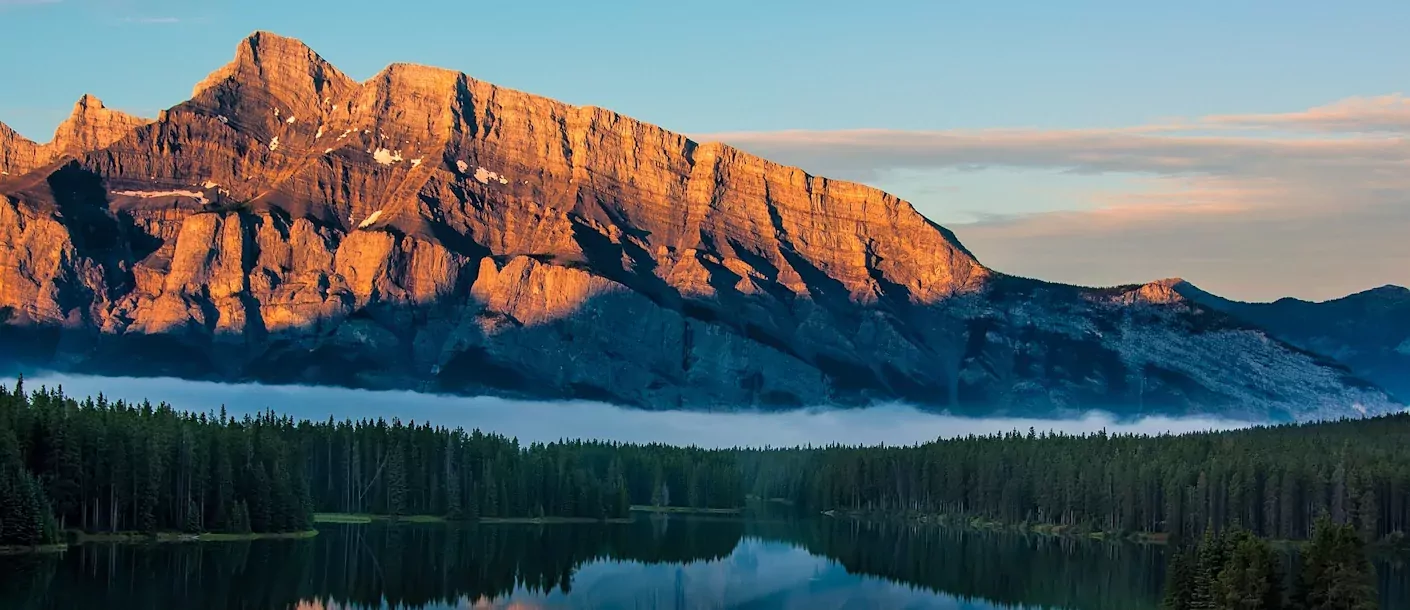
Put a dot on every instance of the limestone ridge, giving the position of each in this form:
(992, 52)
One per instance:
(90, 126)
(425, 230)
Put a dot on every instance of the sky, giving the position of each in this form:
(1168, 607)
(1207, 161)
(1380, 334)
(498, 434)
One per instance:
(1255, 148)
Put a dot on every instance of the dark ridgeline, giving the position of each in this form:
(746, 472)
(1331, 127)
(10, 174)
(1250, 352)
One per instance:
(114, 466)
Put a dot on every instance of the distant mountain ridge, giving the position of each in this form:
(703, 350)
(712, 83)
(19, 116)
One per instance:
(1368, 331)
(425, 230)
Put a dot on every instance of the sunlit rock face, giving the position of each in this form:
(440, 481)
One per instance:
(90, 126)
(425, 230)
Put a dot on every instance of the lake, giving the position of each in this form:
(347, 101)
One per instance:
(654, 562)
(659, 562)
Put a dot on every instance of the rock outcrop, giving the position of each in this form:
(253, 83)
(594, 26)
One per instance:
(91, 126)
(425, 230)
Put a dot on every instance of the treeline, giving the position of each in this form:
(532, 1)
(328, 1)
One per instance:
(114, 466)
(398, 469)
(1272, 481)
(101, 466)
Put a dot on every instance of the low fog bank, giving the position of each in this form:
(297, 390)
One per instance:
(551, 421)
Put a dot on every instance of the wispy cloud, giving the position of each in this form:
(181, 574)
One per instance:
(866, 152)
(1323, 190)
(1380, 114)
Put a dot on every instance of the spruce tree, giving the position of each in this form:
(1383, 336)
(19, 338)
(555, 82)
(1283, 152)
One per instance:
(1179, 582)
(1336, 574)
(1250, 579)
(1209, 562)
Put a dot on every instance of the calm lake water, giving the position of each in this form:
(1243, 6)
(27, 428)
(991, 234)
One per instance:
(651, 563)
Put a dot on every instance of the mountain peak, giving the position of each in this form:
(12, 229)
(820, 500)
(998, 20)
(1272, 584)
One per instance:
(17, 153)
(269, 57)
(91, 126)
(1390, 290)
(88, 100)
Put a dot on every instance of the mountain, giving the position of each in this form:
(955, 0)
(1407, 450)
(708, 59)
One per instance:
(1368, 331)
(91, 126)
(425, 230)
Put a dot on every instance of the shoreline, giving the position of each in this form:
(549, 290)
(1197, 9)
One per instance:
(685, 510)
(1072, 532)
(9, 551)
(366, 518)
(169, 537)
(77, 538)
(986, 525)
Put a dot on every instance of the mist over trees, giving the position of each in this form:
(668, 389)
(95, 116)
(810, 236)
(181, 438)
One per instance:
(97, 465)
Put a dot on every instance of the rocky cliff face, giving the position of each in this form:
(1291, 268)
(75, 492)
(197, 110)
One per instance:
(1368, 331)
(91, 126)
(426, 230)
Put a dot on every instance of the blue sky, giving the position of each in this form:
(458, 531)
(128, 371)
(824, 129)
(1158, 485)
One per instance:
(1049, 69)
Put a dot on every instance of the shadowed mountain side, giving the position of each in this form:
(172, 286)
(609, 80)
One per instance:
(1368, 331)
(425, 230)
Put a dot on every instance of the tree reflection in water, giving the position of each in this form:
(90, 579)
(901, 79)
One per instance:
(445, 566)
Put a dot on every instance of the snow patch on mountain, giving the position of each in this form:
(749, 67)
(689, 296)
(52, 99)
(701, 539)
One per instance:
(197, 195)
(386, 157)
(484, 176)
(367, 222)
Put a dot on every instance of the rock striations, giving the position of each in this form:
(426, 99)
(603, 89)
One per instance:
(91, 126)
(425, 230)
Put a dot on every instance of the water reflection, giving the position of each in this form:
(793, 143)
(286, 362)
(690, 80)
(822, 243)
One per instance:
(652, 563)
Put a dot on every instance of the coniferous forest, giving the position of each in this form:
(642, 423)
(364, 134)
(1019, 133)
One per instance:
(99, 466)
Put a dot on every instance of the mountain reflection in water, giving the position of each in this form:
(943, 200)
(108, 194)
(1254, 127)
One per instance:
(651, 563)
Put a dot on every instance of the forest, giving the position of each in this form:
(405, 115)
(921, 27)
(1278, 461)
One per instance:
(112, 466)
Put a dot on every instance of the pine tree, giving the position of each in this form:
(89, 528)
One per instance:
(1180, 582)
(396, 481)
(1250, 579)
(1209, 562)
(1336, 574)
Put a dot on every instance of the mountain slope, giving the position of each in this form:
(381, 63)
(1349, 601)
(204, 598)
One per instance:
(1368, 331)
(422, 229)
